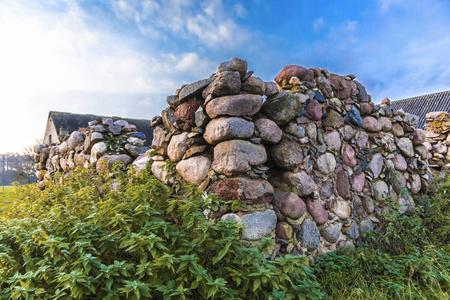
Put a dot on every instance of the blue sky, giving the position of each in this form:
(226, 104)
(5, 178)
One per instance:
(124, 57)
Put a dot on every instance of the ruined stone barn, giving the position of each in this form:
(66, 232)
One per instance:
(422, 105)
(61, 124)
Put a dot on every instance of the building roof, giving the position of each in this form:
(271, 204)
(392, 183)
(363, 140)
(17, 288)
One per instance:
(421, 105)
(73, 122)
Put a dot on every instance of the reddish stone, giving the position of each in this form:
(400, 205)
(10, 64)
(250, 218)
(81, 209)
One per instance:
(185, 113)
(398, 181)
(362, 140)
(386, 101)
(397, 130)
(342, 185)
(317, 211)
(365, 109)
(251, 191)
(314, 110)
(289, 204)
(292, 70)
(342, 87)
(334, 120)
(348, 156)
(358, 182)
(371, 124)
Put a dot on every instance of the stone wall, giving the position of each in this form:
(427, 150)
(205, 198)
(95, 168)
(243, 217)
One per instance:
(437, 131)
(103, 139)
(312, 157)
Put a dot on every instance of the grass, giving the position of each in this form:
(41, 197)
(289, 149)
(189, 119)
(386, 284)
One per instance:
(7, 194)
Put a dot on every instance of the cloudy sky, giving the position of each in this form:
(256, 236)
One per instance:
(124, 57)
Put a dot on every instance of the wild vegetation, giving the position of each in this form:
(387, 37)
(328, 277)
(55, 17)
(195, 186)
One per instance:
(125, 235)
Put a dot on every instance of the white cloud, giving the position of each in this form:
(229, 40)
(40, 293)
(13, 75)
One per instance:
(240, 10)
(319, 24)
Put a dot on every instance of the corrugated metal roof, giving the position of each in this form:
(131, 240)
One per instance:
(421, 105)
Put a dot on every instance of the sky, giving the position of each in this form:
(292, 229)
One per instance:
(123, 58)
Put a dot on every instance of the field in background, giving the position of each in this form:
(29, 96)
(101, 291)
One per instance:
(7, 194)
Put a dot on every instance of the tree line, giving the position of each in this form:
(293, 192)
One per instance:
(16, 167)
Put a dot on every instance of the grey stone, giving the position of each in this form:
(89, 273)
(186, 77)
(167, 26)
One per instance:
(194, 169)
(194, 89)
(226, 83)
(201, 119)
(331, 231)
(366, 225)
(326, 189)
(168, 118)
(158, 169)
(351, 231)
(237, 157)
(258, 224)
(63, 148)
(406, 146)
(309, 235)
(400, 163)
(269, 131)
(159, 142)
(101, 168)
(135, 150)
(380, 190)
(141, 162)
(227, 128)
(333, 141)
(326, 163)
(177, 146)
(75, 140)
(97, 151)
(235, 105)
(287, 155)
(173, 101)
(302, 181)
(353, 117)
(294, 129)
(376, 165)
(254, 85)
(283, 107)
(235, 64)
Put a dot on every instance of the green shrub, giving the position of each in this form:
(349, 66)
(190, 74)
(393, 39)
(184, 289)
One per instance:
(79, 240)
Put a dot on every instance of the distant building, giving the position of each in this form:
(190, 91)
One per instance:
(421, 105)
(60, 124)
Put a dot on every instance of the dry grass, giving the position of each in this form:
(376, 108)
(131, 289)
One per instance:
(7, 194)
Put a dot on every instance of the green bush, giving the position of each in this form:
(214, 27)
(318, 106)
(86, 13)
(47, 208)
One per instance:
(79, 239)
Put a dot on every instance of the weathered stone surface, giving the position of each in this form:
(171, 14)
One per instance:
(258, 224)
(358, 182)
(366, 225)
(269, 132)
(418, 136)
(353, 117)
(284, 231)
(63, 148)
(251, 191)
(371, 124)
(101, 168)
(422, 151)
(351, 231)
(302, 181)
(201, 119)
(362, 140)
(287, 155)
(309, 235)
(177, 146)
(290, 71)
(314, 110)
(342, 88)
(331, 231)
(227, 128)
(326, 163)
(97, 151)
(400, 163)
(365, 109)
(159, 171)
(289, 204)
(159, 142)
(362, 95)
(168, 118)
(341, 209)
(271, 88)
(380, 190)
(173, 101)
(416, 184)
(375, 166)
(406, 204)
(397, 130)
(141, 162)
(333, 120)
(294, 129)
(324, 85)
(237, 157)
(235, 65)
(347, 133)
(326, 190)
(311, 131)
(368, 204)
(397, 180)
(135, 151)
(342, 185)
(254, 85)
(283, 107)
(79, 159)
(406, 146)
(348, 156)
(333, 141)
(386, 124)
(194, 169)
(226, 83)
(194, 89)
(185, 113)
(75, 140)
(236, 105)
